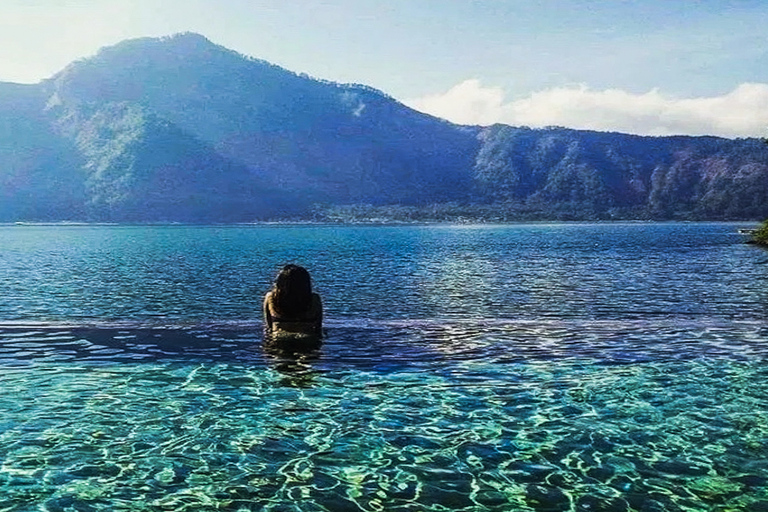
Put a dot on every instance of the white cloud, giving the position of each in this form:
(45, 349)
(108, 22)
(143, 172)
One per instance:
(742, 112)
(466, 103)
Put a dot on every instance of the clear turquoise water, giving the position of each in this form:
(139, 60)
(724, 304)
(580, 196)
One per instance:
(535, 367)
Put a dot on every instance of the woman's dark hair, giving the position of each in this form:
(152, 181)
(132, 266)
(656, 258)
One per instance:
(293, 291)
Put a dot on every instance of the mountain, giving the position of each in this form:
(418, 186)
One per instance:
(302, 140)
(181, 129)
(567, 173)
(39, 176)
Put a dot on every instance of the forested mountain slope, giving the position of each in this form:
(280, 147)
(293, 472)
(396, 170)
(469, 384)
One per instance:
(592, 174)
(180, 129)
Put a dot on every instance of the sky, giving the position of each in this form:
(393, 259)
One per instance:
(655, 67)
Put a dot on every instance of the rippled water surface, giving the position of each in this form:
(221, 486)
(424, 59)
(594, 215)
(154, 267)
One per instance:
(531, 367)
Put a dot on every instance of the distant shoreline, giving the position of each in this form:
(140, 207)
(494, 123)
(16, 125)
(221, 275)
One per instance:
(298, 223)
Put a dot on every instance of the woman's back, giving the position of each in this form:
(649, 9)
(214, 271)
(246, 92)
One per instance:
(308, 322)
(291, 309)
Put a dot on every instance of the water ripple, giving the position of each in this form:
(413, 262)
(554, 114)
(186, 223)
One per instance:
(399, 344)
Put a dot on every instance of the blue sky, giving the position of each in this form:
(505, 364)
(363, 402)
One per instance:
(639, 66)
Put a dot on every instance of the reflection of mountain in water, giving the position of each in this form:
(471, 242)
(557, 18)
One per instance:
(180, 129)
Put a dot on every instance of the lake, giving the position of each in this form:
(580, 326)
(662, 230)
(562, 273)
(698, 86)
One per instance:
(478, 368)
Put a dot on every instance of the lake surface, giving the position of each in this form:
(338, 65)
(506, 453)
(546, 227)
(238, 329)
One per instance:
(478, 368)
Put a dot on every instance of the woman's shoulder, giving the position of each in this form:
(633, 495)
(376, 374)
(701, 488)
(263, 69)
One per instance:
(269, 300)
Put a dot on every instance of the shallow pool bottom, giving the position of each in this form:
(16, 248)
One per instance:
(295, 433)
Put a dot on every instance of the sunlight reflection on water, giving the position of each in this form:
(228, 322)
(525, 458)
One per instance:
(483, 368)
(484, 415)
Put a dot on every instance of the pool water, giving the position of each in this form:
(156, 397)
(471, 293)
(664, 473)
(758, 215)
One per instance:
(532, 367)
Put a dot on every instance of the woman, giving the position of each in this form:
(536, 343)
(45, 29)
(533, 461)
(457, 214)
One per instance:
(291, 309)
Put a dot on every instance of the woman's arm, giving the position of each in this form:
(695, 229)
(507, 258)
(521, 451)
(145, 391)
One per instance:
(267, 314)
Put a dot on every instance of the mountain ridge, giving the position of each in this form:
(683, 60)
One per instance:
(180, 129)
